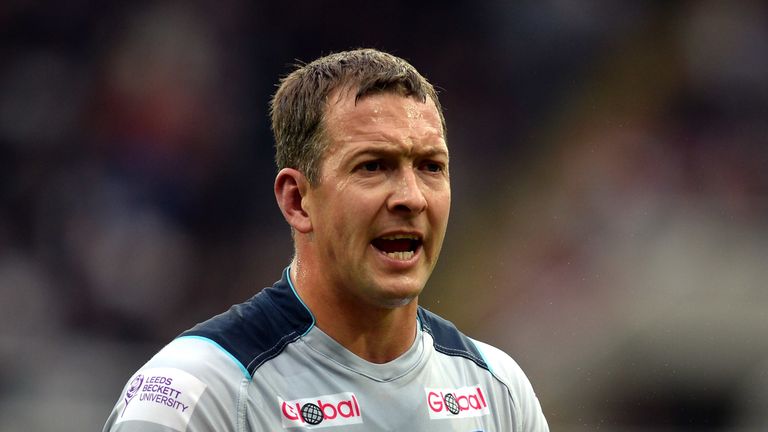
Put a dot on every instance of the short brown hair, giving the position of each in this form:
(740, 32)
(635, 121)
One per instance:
(298, 106)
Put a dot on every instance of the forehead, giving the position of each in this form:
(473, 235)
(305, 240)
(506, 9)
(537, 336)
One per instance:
(388, 115)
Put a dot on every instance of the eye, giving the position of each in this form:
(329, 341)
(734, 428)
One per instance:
(430, 166)
(371, 166)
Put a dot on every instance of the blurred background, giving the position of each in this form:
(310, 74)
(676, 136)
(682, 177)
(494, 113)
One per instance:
(609, 226)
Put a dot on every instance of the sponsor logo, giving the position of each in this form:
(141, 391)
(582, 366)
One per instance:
(133, 389)
(166, 396)
(456, 403)
(321, 411)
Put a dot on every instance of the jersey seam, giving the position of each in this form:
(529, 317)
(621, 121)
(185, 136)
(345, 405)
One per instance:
(516, 409)
(273, 351)
(461, 353)
(242, 406)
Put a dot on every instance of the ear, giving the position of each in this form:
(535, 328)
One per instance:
(291, 187)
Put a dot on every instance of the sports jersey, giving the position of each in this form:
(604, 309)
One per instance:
(265, 366)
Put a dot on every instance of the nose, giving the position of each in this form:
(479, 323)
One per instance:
(408, 195)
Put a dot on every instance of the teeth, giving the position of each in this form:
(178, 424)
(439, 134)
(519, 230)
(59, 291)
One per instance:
(401, 237)
(402, 256)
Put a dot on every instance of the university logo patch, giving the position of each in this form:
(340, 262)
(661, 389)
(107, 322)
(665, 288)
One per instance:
(165, 396)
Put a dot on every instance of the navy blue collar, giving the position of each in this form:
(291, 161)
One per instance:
(259, 329)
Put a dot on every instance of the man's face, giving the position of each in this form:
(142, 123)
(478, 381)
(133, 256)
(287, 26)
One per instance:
(380, 210)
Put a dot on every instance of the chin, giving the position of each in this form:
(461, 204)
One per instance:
(395, 297)
(398, 302)
(392, 291)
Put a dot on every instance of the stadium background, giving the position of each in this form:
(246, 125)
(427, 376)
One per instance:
(610, 183)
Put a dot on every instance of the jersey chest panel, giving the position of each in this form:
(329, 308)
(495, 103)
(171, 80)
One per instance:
(304, 390)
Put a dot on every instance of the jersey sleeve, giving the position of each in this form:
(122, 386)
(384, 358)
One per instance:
(527, 406)
(191, 385)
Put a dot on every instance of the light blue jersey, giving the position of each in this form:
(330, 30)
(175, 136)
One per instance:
(265, 366)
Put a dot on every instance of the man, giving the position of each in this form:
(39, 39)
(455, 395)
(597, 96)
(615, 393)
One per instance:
(340, 341)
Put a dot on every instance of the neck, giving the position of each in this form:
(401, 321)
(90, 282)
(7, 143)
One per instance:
(374, 333)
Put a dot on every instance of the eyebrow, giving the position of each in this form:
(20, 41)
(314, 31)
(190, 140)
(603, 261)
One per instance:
(387, 149)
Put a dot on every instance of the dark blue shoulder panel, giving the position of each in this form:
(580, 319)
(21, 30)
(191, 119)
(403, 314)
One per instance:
(448, 339)
(259, 329)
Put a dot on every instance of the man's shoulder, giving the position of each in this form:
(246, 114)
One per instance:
(501, 364)
(195, 382)
(506, 370)
(448, 339)
(196, 355)
(259, 329)
(189, 384)
(195, 359)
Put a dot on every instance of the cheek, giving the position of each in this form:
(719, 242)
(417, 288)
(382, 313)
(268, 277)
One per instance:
(441, 207)
(350, 216)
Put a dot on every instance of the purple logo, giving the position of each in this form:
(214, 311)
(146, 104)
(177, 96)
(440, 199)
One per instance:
(134, 388)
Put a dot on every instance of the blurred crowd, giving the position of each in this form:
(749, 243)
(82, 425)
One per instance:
(610, 186)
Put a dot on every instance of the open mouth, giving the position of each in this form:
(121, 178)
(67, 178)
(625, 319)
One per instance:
(399, 246)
